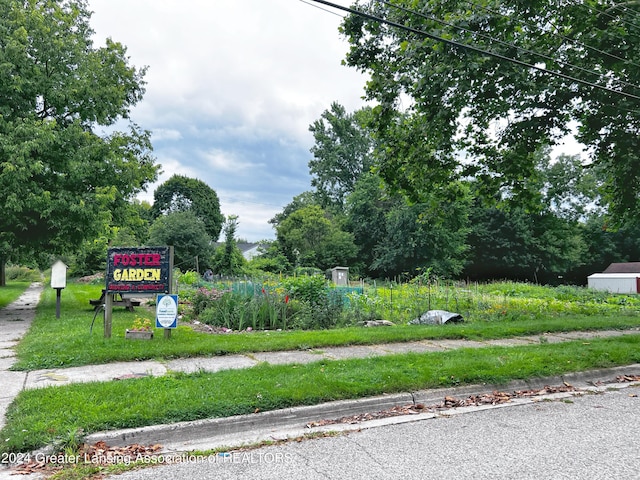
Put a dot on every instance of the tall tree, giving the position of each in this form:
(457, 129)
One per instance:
(367, 209)
(228, 259)
(474, 78)
(309, 238)
(188, 235)
(342, 153)
(181, 194)
(305, 199)
(60, 181)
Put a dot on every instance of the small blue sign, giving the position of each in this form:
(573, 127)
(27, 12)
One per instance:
(167, 311)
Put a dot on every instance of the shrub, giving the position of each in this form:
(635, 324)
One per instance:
(307, 271)
(309, 289)
(190, 277)
(205, 298)
(17, 273)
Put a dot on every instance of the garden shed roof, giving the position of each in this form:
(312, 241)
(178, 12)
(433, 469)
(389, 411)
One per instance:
(627, 267)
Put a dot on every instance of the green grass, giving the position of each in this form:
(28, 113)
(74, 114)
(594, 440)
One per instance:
(11, 291)
(172, 398)
(66, 342)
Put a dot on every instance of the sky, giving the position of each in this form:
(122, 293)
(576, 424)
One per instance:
(232, 87)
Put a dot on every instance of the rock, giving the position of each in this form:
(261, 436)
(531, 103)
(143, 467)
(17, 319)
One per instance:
(437, 317)
(378, 323)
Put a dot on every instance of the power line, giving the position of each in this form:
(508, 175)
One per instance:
(606, 13)
(495, 40)
(557, 34)
(626, 9)
(323, 9)
(476, 49)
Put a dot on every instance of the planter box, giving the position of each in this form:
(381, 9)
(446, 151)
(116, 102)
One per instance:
(138, 335)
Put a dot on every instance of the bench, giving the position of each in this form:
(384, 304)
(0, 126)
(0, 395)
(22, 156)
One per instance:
(118, 301)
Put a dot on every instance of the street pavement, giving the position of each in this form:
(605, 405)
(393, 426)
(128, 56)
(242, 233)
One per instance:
(16, 318)
(579, 437)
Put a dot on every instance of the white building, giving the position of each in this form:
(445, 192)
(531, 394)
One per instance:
(617, 278)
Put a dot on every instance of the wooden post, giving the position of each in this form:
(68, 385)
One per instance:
(108, 308)
(58, 290)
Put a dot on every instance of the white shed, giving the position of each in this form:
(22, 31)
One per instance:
(615, 282)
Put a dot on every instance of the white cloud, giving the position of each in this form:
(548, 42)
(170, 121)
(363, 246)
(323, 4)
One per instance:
(166, 134)
(232, 88)
(224, 161)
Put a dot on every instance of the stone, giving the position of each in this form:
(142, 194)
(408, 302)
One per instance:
(378, 323)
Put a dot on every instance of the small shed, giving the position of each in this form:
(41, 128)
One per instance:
(617, 278)
(340, 275)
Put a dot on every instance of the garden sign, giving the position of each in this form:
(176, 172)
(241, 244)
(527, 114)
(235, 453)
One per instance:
(140, 270)
(136, 271)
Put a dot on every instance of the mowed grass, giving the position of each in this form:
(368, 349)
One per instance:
(11, 291)
(67, 341)
(38, 417)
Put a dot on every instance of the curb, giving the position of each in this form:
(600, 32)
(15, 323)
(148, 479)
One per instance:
(291, 423)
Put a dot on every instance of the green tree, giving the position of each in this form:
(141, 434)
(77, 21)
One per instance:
(396, 237)
(498, 112)
(569, 190)
(309, 238)
(425, 235)
(366, 210)
(342, 153)
(271, 259)
(61, 182)
(187, 234)
(228, 259)
(180, 194)
(305, 199)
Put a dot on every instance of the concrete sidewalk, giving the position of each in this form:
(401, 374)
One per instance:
(16, 318)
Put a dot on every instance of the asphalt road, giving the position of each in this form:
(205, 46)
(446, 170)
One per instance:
(587, 437)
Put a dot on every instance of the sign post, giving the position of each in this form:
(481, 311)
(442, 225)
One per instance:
(58, 281)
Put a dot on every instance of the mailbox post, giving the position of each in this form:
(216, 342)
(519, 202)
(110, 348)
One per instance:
(58, 281)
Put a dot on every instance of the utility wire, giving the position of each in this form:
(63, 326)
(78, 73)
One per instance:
(605, 13)
(564, 37)
(626, 9)
(507, 44)
(476, 49)
(323, 9)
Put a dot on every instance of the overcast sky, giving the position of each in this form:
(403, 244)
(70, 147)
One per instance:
(232, 88)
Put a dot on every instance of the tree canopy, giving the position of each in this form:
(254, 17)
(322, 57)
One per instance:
(189, 237)
(181, 194)
(343, 152)
(467, 89)
(61, 181)
(309, 238)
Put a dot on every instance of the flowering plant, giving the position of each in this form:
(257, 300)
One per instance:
(141, 325)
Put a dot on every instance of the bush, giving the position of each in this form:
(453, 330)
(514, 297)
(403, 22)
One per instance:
(205, 298)
(307, 271)
(308, 289)
(16, 273)
(189, 277)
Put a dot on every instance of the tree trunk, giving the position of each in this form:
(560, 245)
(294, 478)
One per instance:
(3, 276)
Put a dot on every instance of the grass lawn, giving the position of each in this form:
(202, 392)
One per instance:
(11, 291)
(41, 416)
(66, 342)
(147, 401)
